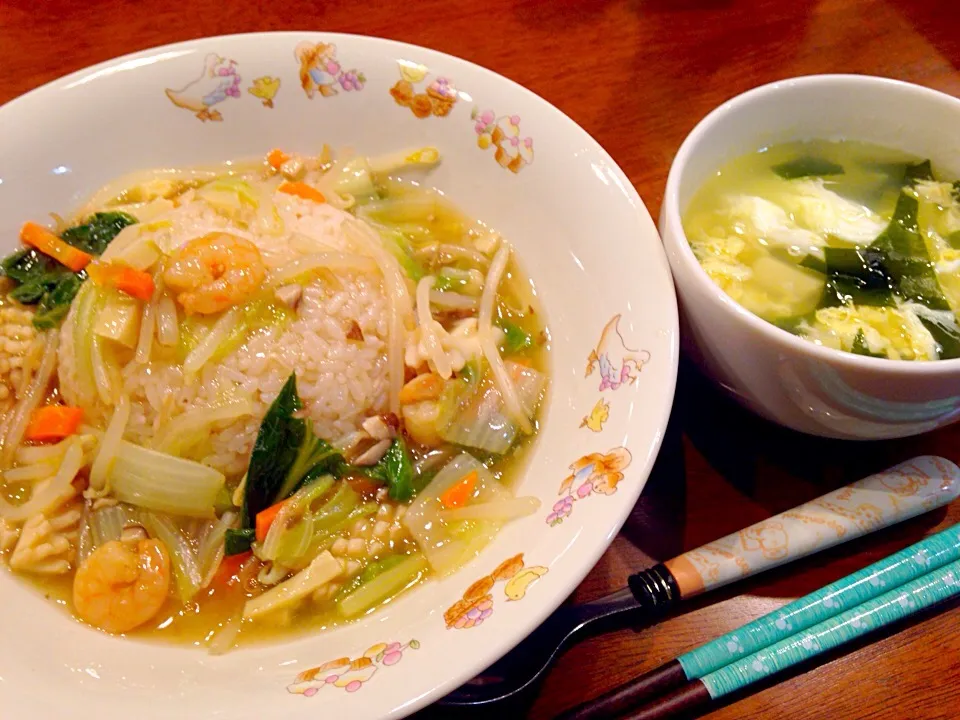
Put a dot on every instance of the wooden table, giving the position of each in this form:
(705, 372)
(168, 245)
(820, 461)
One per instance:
(638, 74)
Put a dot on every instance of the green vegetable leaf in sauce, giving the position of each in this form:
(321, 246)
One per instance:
(44, 282)
(953, 239)
(395, 470)
(285, 454)
(99, 230)
(515, 338)
(808, 166)
(860, 346)
(238, 541)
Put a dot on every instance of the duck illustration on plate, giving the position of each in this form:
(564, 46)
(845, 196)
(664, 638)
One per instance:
(218, 81)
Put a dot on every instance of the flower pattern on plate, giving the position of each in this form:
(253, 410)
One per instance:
(349, 674)
(511, 149)
(476, 605)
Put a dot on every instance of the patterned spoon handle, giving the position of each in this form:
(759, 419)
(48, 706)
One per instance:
(904, 491)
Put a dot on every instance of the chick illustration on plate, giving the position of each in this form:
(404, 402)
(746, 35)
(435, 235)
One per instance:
(265, 89)
(597, 417)
(477, 602)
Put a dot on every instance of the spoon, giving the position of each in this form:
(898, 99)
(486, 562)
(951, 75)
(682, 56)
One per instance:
(901, 492)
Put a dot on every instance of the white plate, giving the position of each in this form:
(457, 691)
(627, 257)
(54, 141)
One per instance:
(579, 228)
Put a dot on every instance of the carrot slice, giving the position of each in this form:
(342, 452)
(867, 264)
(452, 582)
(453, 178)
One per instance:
(37, 236)
(265, 519)
(276, 158)
(230, 567)
(133, 282)
(53, 422)
(458, 494)
(302, 190)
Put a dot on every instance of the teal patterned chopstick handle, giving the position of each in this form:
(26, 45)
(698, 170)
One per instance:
(925, 591)
(910, 563)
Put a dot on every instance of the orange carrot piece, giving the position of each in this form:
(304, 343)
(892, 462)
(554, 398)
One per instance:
(276, 158)
(37, 236)
(265, 519)
(53, 422)
(230, 567)
(302, 190)
(458, 494)
(133, 282)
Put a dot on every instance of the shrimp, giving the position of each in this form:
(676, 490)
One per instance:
(214, 272)
(122, 584)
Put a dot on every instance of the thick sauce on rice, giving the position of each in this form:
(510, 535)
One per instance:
(270, 396)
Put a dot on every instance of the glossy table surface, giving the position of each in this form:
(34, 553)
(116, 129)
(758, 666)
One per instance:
(638, 75)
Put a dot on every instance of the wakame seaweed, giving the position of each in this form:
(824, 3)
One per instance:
(807, 166)
(946, 336)
(857, 276)
(860, 346)
(906, 259)
(44, 282)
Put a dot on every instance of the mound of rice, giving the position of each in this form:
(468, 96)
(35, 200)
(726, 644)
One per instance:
(341, 380)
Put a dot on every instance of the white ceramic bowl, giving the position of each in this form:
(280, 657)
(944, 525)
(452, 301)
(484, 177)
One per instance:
(579, 227)
(781, 377)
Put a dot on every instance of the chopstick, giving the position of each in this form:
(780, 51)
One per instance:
(905, 566)
(890, 607)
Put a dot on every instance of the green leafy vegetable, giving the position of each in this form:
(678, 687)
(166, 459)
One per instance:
(55, 304)
(443, 283)
(238, 541)
(99, 230)
(953, 239)
(385, 584)
(808, 166)
(399, 247)
(43, 281)
(860, 346)
(395, 470)
(379, 567)
(286, 451)
(515, 338)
